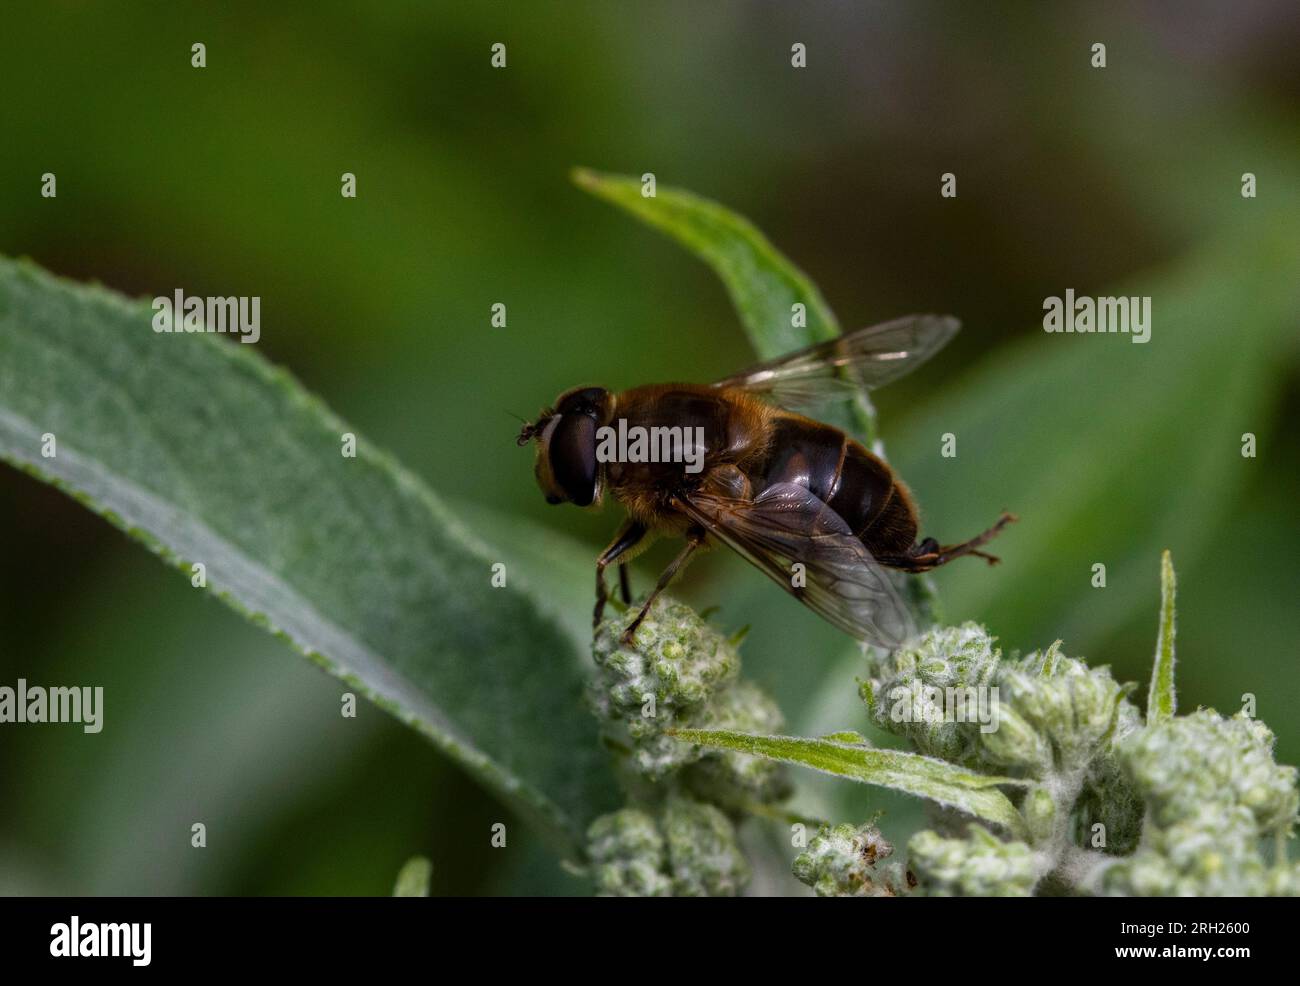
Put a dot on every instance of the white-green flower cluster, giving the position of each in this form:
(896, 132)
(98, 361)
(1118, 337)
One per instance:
(704, 858)
(979, 865)
(1115, 805)
(1212, 790)
(1109, 802)
(1047, 712)
(846, 861)
(905, 693)
(677, 837)
(627, 856)
(682, 673)
(1059, 785)
(1056, 714)
(685, 849)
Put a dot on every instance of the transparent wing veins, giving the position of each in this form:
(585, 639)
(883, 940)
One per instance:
(839, 368)
(787, 525)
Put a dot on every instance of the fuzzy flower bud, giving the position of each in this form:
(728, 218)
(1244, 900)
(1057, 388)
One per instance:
(1184, 763)
(704, 858)
(627, 854)
(1211, 790)
(1110, 806)
(841, 862)
(1016, 742)
(921, 690)
(1040, 813)
(682, 673)
(686, 849)
(1072, 707)
(977, 866)
(664, 680)
(727, 777)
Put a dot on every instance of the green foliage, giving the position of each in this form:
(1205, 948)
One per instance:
(205, 453)
(1212, 790)
(1174, 408)
(677, 835)
(942, 783)
(764, 286)
(1161, 699)
(361, 568)
(1106, 803)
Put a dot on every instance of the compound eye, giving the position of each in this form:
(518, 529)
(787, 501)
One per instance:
(584, 400)
(573, 458)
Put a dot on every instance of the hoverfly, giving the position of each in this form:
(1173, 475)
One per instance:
(802, 501)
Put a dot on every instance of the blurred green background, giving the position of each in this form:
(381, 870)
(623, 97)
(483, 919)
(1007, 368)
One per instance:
(225, 181)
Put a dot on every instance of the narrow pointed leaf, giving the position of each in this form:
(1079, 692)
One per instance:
(925, 777)
(1162, 700)
(413, 878)
(763, 284)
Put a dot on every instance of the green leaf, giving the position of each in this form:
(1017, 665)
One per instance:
(925, 777)
(1108, 451)
(201, 450)
(763, 284)
(552, 567)
(413, 878)
(1162, 699)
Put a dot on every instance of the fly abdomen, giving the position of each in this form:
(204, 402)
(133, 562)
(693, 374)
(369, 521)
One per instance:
(844, 475)
(875, 505)
(805, 453)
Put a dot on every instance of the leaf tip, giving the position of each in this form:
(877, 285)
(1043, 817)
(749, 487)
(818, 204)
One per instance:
(584, 177)
(414, 877)
(1162, 700)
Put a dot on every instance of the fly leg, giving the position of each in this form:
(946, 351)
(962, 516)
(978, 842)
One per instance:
(694, 539)
(929, 554)
(624, 585)
(627, 538)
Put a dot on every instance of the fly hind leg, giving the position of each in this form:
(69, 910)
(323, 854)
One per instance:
(929, 553)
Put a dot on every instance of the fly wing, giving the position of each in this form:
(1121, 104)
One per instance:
(788, 525)
(839, 368)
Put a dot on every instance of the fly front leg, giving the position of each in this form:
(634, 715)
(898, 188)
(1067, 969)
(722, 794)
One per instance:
(627, 538)
(694, 539)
